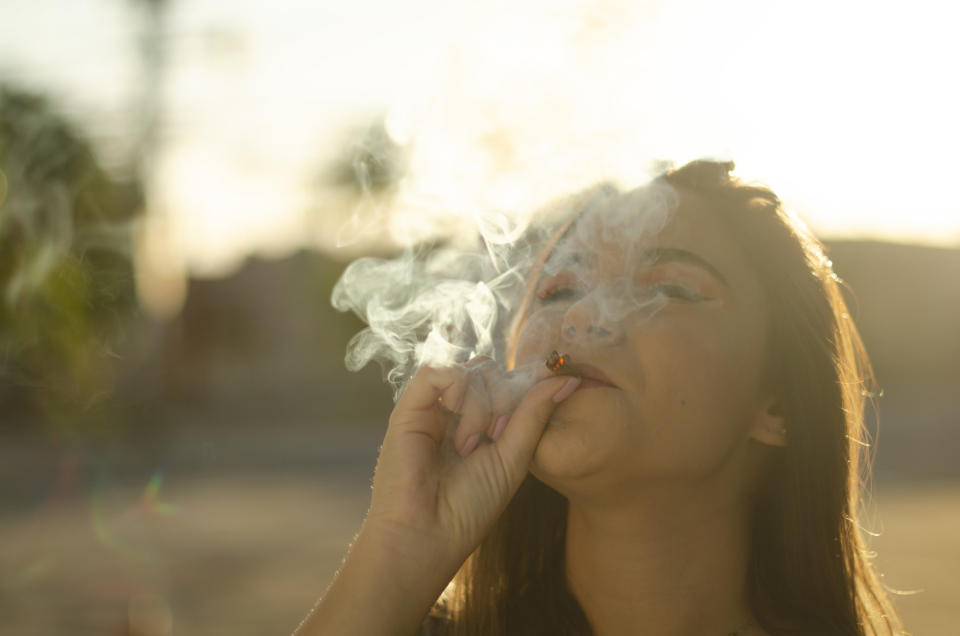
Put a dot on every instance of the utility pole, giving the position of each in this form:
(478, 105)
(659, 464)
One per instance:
(161, 284)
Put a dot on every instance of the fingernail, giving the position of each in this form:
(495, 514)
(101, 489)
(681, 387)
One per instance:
(567, 389)
(470, 444)
(499, 426)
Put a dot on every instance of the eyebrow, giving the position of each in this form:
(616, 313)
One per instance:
(658, 255)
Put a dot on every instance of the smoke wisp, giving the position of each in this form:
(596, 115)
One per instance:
(445, 305)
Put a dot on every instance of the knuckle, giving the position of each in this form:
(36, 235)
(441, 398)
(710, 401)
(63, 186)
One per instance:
(475, 379)
(397, 419)
(500, 471)
(424, 371)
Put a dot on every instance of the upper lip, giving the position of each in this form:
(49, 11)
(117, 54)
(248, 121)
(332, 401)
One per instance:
(588, 371)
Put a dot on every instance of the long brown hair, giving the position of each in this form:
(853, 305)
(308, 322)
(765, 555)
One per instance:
(808, 570)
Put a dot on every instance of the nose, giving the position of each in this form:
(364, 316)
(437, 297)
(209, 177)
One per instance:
(583, 324)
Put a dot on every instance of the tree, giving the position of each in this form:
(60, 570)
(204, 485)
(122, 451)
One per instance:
(66, 278)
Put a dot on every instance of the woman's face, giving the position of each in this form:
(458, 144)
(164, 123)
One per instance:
(675, 320)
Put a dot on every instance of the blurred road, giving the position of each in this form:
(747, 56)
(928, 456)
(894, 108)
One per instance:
(241, 548)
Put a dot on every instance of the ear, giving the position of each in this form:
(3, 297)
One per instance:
(770, 426)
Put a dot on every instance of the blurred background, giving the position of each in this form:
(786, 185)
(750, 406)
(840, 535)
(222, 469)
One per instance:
(183, 181)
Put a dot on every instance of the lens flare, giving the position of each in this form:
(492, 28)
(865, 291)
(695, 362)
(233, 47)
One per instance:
(148, 506)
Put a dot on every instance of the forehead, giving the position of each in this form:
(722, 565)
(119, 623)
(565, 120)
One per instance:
(696, 227)
(617, 236)
(654, 216)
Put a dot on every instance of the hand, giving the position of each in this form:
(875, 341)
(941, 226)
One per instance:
(458, 445)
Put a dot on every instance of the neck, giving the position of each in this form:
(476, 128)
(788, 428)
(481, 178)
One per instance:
(671, 562)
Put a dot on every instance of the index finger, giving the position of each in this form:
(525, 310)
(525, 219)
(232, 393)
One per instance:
(428, 388)
(521, 379)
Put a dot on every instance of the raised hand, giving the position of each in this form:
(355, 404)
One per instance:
(458, 445)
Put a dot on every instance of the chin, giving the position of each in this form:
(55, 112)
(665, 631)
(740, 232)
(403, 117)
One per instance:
(565, 475)
(567, 449)
(583, 435)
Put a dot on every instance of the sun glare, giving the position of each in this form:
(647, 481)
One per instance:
(845, 109)
(851, 127)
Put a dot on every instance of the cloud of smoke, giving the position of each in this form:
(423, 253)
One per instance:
(447, 304)
(432, 305)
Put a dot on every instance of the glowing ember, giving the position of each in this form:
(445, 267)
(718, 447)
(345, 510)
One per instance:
(556, 361)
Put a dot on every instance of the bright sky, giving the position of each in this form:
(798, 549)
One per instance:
(848, 109)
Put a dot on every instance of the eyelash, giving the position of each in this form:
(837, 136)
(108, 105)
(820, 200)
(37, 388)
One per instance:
(670, 290)
(554, 294)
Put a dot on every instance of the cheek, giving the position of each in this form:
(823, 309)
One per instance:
(698, 394)
(587, 434)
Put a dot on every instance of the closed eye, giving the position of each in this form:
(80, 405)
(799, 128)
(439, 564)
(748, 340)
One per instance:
(676, 292)
(554, 294)
(670, 290)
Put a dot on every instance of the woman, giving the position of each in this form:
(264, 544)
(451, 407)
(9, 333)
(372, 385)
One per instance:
(694, 471)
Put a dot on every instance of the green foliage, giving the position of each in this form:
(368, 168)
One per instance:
(66, 278)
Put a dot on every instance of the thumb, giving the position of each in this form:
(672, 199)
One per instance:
(526, 425)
